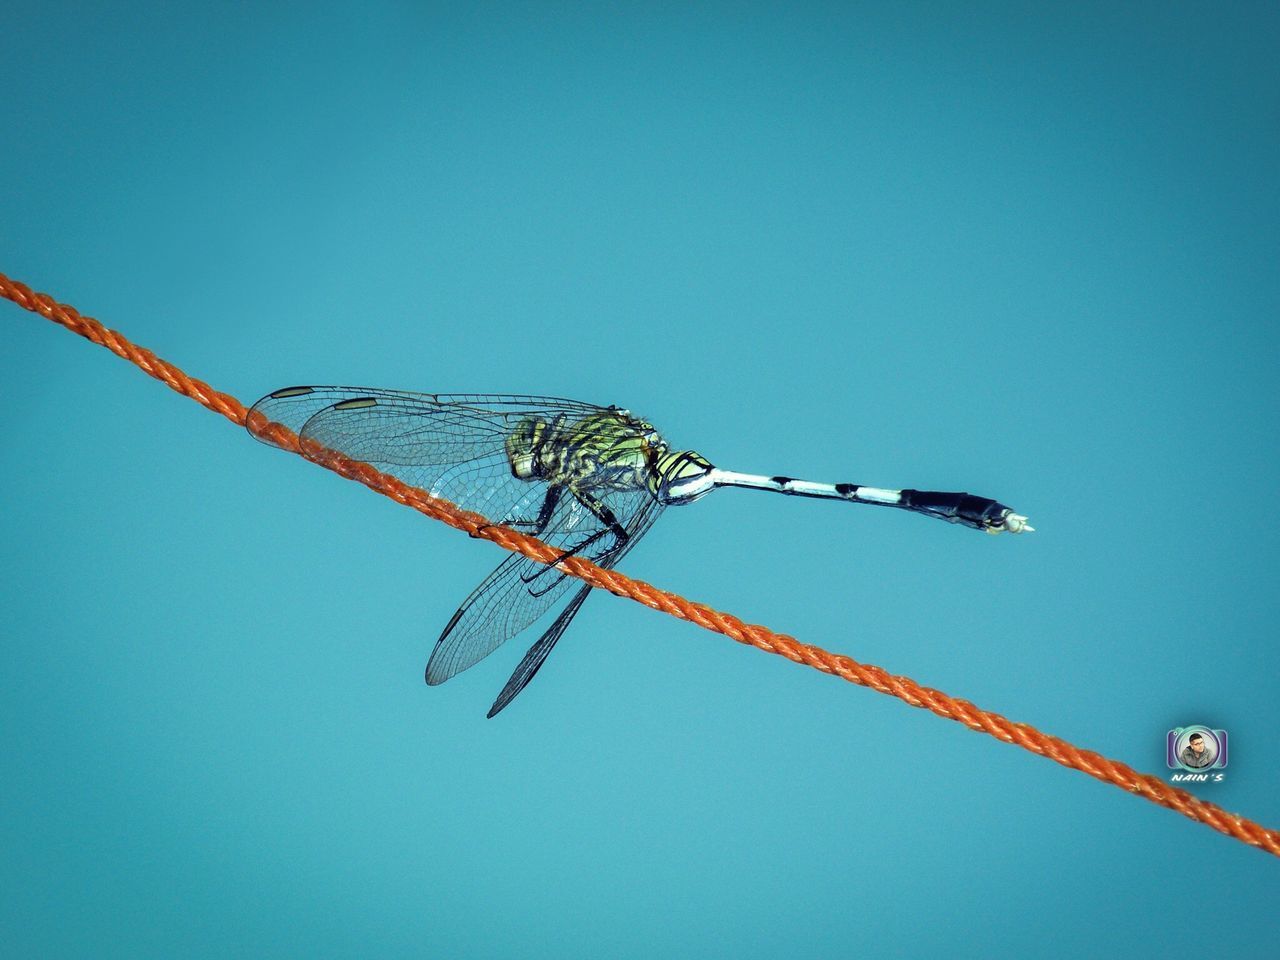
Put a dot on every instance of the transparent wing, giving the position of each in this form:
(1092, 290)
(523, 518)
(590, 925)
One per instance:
(451, 445)
(293, 406)
(537, 654)
(521, 590)
(506, 602)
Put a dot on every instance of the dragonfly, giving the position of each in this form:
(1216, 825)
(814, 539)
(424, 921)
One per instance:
(587, 480)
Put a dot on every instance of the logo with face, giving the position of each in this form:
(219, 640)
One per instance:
(1196, 749)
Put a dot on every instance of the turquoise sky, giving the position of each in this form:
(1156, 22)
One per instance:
(1026, 253)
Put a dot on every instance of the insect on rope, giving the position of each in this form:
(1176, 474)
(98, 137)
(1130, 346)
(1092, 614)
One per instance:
(973, 717)
(584, 479)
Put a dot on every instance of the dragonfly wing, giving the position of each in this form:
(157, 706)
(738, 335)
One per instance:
(293, 406)
(520, 591)
(499, 608)
(451, 445)
(537, 654)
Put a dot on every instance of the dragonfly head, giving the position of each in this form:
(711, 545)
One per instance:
(680, 476)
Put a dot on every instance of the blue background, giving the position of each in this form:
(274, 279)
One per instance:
(1024, 253)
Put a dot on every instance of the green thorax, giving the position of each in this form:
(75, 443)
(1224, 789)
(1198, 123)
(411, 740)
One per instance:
(609, 450)
(605, 451)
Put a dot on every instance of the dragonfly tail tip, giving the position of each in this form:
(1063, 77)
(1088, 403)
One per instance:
(1017, 523)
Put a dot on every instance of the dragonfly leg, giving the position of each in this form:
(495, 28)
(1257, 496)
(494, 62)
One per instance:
(572, 552)
(602, 513)
(539, 524)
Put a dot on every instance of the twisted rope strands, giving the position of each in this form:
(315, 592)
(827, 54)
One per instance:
(117, 343)
(904, 688)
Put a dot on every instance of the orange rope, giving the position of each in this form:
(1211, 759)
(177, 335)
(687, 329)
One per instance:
(904, 688)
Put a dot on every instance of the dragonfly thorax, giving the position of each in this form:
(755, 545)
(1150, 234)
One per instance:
(609, 450)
